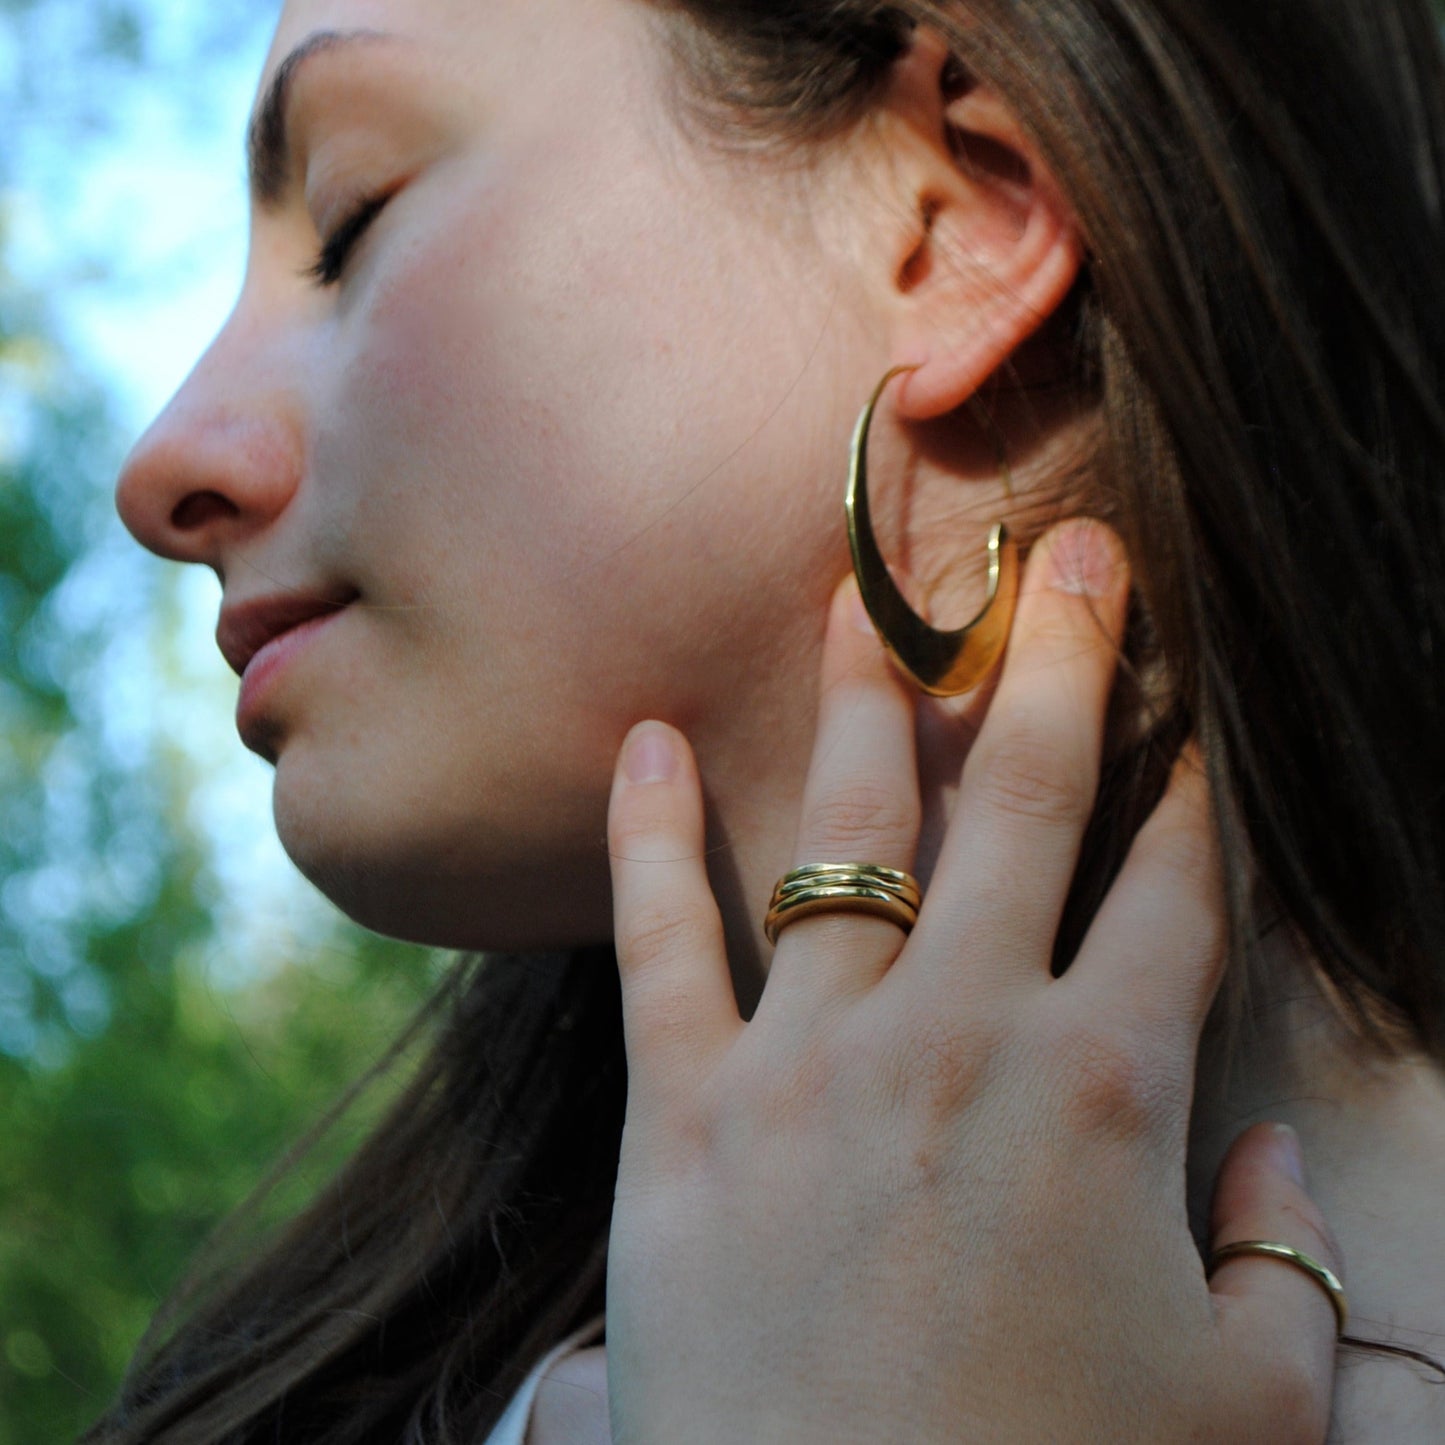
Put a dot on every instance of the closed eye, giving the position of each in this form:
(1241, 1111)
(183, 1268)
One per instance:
(330, 265)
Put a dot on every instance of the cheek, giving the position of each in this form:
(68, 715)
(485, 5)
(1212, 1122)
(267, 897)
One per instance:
(495, 370)
(593, 437)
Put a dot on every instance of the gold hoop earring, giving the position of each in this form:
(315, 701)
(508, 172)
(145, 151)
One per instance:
(943, 664)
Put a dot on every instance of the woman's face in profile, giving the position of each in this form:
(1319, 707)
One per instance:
(561, 427)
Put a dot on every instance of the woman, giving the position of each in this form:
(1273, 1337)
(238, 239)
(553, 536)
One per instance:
(527, 429)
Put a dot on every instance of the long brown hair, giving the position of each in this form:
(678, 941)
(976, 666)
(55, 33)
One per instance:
(1259, 333)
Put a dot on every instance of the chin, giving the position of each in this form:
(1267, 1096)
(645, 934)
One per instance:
(410, 875)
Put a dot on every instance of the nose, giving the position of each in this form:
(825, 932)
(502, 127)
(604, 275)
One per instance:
(217, 467)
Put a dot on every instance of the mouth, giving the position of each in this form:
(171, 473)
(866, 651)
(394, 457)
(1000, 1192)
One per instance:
(246, 627)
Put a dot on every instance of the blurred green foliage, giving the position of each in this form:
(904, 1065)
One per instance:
(139, 1101)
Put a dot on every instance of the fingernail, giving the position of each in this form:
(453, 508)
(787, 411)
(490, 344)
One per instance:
(1083, 560)
(650, 755)
(1288, 1152)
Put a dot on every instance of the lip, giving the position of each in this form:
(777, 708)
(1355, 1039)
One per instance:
(245, 628)
(259, 638)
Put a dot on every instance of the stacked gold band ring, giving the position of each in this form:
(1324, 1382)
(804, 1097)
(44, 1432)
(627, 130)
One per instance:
(843, 888)
(1327, 1279)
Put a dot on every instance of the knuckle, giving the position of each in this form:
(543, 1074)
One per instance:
(1184, 850)
(656, 932)
(861, 820)
(935, 1066)
(1069, 632)
(1026, 775)
(640, 822)
(773, 1112)
(1295, 1402)
(658, 1010)
(1183, 865)
(1113, 1090)
(786, 1100)
(675, 1136)
(1305, 1229)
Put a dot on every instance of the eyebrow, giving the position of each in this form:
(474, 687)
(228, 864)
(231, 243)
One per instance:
(268, 157)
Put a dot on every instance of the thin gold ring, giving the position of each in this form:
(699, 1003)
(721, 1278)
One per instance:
(1326, 1278)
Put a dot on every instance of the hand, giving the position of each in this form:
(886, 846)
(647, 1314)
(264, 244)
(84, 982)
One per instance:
(929, 1192)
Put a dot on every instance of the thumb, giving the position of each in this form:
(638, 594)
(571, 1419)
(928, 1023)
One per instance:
(1280, 1315)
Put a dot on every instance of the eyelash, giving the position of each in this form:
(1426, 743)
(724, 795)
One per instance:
(329, 266)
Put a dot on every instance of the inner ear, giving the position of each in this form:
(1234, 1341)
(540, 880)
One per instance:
(987, 147)
(978, 155)
(987, 161)
(920, 261)
(954, 81)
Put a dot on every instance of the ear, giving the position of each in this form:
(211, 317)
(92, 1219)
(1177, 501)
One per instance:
(987, 250)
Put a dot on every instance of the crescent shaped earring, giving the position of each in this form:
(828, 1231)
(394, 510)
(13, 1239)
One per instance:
(943, 664)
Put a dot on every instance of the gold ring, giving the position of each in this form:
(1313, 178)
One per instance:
(843, 888)
(1327, 1279)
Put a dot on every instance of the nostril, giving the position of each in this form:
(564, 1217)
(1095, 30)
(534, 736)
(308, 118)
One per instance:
(200, 508)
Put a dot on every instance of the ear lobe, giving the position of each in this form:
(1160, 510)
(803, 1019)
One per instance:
(993, 249)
